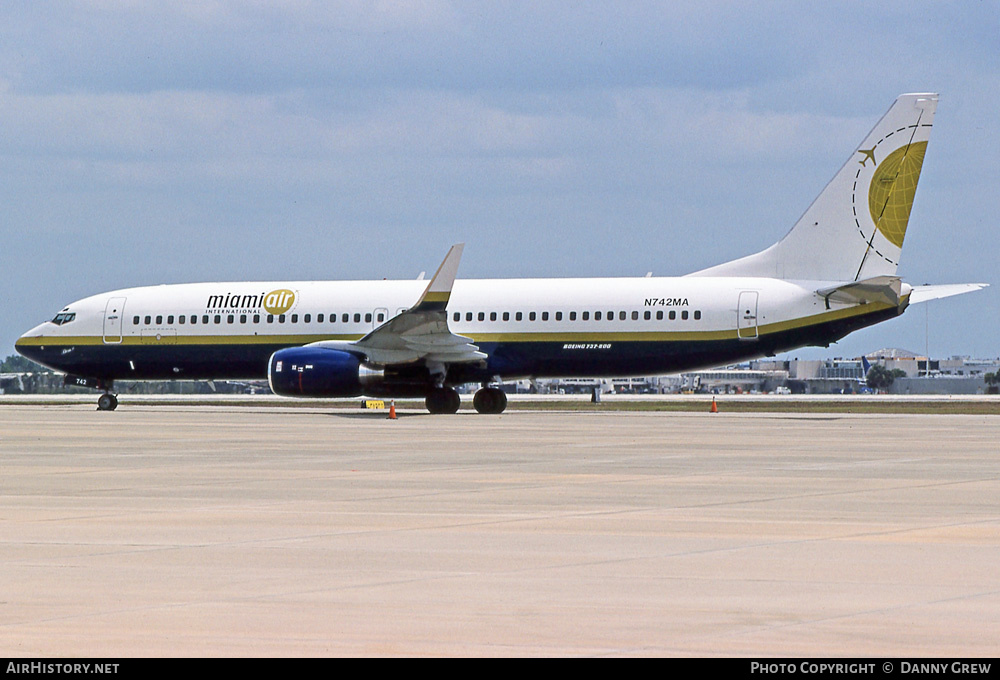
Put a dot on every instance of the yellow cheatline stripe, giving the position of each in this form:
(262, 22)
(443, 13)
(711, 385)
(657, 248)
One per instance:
(148, 341)
(596, 336)
(833, 315)
(564, 336)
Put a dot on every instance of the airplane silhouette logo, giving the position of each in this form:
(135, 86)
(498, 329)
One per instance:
(869, 153)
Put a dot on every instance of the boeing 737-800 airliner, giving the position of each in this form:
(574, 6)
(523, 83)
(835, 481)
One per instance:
(833, 273)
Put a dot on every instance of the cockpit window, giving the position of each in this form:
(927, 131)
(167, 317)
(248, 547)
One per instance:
(63, 317)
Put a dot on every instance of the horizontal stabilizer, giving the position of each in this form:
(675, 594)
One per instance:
(884, 289)
(925, 293)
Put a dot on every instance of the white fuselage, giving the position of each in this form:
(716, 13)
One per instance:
(614, 326)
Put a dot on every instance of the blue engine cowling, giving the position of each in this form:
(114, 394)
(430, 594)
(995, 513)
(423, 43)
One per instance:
(319, 372)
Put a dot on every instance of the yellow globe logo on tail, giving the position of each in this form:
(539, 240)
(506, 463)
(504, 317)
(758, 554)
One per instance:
(890, 194)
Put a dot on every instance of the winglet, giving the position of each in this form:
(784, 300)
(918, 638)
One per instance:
(438, 291)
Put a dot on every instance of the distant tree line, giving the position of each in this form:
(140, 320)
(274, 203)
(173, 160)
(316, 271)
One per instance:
(992, 382)
(15, 363)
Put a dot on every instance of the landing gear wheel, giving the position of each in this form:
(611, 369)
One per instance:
(443, 400)
(107, 402)
(491, 400)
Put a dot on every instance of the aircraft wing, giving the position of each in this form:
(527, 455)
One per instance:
(420, 333)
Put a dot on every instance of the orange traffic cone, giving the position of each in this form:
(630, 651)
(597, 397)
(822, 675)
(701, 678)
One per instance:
(392, 410)
(714, 409)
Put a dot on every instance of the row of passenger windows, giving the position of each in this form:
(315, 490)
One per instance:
(584, 316)
(206, 319)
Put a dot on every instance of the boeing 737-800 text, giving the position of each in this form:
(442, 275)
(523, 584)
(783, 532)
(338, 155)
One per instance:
(833, 273)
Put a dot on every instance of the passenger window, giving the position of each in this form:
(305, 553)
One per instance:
(270, 318)
(572, 316)
(204, 318)
(611, 316)
(468, 316)
(256, 318)
(697, 314)
(659, 315)
(635, 316)
(457, 316)
(194, 320)
(357, 318)
(531, 316)
(135, 321)
(673, 315)
(218, 318)
(519, 316)
(319, 318)
(295, 318)
(481, 316)
(306, 318)
(493, 316)
(684, 315)
(647, 315)
(621, 316)
(230, 318)
(149, 320)
(170, 320)
(368, 317)
(586, 316)
(558, 316)
(243, 318)
(281, 318)
(506, 316)
(597, 316)
(159, 319)
(345, 318)
(181, 319)
(381, 317)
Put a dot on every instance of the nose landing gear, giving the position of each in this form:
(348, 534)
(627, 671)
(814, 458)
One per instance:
(107, 402)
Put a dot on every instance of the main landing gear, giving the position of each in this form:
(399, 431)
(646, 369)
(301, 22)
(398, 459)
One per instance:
(490, 400)
(443, 400)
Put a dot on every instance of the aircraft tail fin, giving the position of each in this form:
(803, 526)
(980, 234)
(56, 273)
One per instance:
(854, 229)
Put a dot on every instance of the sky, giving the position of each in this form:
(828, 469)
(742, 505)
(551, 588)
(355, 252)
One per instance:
(149, 142)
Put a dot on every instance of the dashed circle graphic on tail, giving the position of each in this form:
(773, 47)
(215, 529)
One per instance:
(891, 187)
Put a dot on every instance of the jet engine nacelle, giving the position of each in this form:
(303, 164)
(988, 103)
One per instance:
(318, 372)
